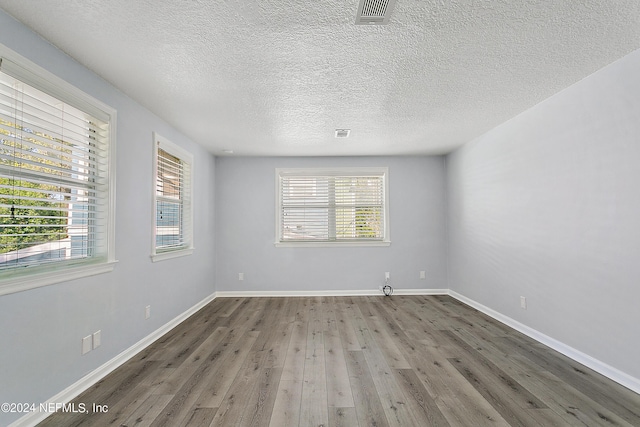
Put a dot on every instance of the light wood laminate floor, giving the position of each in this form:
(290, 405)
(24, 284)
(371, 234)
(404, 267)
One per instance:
(351, 361)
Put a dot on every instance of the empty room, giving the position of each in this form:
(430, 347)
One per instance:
(319, 213)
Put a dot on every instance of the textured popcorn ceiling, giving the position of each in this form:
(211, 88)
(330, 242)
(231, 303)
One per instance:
(277, 77)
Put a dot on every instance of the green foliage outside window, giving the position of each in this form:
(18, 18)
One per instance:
(36, 218)
(368, 223)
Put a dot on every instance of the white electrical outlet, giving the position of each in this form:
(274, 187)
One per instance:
(240, 276)
(97, 339)
(386, 275)
(423, 274)
(523, 303)
(87, 343)
(147, 312)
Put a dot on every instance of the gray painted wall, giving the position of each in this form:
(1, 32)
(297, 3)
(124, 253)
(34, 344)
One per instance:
(245, 230)
(547, 206)
(41, 329)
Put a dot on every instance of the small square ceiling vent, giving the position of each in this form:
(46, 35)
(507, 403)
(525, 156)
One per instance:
(374, 12)
(342, 133)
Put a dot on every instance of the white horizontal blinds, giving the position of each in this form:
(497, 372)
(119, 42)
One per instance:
(172, 201)
(53, 177)
(332, 208)
(305, 208)
(359, 202)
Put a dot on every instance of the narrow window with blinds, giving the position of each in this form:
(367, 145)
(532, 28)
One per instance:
(332, 206)
(54, 175)
(172, 204)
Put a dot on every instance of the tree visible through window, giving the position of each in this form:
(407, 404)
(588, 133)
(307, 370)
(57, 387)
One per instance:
(54, 193)
(359, 208)
(30, 215)
(332, 205)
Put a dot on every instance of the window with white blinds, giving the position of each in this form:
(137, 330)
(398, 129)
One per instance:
(173, 220)
(55, 195)
(345, 206)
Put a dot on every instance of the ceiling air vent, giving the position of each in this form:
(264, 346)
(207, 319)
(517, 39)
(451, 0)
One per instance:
(372, 12)
(342, 133)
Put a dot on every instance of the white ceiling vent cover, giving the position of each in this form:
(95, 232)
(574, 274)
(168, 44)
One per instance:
(343, 133)
(374, 11)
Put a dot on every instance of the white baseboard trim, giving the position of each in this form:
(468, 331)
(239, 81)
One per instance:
(71, 392)
(608, 371)
(331, 293)
(421, 292)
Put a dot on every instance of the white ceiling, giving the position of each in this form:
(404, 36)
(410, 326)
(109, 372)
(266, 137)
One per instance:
(277, 77)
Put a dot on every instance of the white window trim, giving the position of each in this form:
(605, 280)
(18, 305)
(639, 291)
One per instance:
(35, 277)
(187, 157)
(338, 171)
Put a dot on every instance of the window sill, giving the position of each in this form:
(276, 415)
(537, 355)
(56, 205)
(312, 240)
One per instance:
(330, 244)
(171, 254)
(27, 281)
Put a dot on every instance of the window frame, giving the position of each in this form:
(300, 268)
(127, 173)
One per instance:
(187, 206)
(337, 171)
(31, 277)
